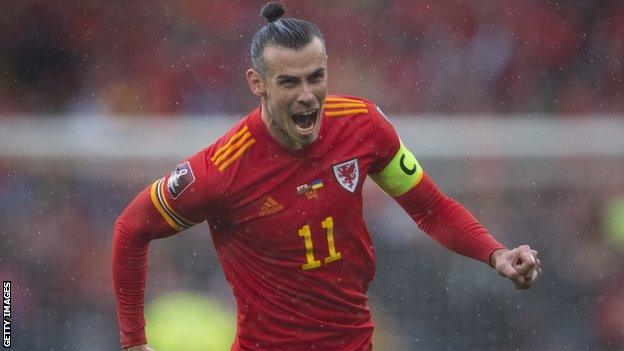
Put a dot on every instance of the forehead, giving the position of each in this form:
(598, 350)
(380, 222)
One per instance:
(284, 61)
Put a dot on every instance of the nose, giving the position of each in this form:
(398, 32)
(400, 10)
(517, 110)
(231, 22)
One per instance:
(305, 95)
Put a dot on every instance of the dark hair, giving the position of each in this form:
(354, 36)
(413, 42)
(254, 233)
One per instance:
(290, 33)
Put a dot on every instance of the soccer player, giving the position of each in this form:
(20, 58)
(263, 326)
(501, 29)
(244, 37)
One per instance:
(282, 194)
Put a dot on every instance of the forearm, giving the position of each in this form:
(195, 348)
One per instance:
(134, 229)
(129, 261)
(447, 221)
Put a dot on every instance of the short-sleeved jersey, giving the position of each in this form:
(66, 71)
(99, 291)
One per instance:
(288, 226)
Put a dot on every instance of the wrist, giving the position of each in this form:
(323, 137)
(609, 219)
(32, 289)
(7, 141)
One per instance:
(494, 257)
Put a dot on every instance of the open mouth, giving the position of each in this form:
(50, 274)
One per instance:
(305, 121)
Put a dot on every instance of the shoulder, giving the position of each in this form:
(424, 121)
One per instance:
(230, 147)
(344, 105)
(208, 168)
(347, 105)
(353, 109)
(364, 120)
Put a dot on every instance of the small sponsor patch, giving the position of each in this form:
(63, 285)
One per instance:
(316, 184)
(302, 189)
(180, 179)
(348, 174)
(307, 188)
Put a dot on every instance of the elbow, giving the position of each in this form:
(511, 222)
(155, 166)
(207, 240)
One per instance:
(119, 227)
(126, 230)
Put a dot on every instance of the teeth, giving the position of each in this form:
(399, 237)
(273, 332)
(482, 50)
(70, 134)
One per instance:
(304, 119)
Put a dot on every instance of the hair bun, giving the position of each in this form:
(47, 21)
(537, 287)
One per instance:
(272, 11)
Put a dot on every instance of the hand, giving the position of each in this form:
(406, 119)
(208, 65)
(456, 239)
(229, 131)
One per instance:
(521, 265)
(140, 348)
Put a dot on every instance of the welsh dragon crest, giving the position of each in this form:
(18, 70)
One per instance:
(348, 174)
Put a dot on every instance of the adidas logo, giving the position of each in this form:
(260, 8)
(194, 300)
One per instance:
(270, 206)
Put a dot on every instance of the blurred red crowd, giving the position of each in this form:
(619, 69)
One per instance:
(409, 56)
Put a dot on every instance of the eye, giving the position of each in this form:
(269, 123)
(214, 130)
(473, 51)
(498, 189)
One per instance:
(288, 82)
(317, 77)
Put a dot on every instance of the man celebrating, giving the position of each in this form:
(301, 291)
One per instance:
(282, 194)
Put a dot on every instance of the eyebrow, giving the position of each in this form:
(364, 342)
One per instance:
(319, 71)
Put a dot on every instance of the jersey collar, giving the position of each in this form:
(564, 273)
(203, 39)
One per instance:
(261, 133)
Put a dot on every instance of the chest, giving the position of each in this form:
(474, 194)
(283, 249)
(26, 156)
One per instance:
(271, 185)
(302, 187)
(300, 208)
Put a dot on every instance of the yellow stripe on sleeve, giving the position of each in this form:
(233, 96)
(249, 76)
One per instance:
(345, 112)
(227, 145)
(231, 149)
(240, 151)
(334, 99)
(341, 105)
(183, 222)
(163, 213)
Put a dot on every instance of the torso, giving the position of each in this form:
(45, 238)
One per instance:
(291, 236)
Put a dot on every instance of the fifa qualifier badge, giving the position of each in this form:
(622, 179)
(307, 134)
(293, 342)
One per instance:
(6, 314)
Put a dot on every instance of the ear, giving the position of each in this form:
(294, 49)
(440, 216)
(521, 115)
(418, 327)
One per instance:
(255, 81)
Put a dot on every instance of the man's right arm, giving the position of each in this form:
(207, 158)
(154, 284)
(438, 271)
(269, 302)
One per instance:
(138, 224)
(168, 206)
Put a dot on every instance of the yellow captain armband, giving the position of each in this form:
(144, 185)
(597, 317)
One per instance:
(400, 175)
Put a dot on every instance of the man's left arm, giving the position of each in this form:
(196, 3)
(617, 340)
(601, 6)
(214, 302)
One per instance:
(443, 218)
(454, 227)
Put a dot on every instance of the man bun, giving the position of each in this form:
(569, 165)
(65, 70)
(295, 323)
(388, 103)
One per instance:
(290, 33)
(272, 11)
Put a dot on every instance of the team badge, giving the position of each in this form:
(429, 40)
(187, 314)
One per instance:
(180, 179)
(348, 174)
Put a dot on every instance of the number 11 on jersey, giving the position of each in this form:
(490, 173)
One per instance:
(306, 233)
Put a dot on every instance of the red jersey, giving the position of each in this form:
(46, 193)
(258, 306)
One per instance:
(287, 226)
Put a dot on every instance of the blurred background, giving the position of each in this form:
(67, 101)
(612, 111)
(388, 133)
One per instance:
(513, 107)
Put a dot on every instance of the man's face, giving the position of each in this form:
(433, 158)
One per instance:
(295, 86)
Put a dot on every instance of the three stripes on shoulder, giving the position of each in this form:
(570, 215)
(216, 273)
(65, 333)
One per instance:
(233, 149)
(337, 106)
